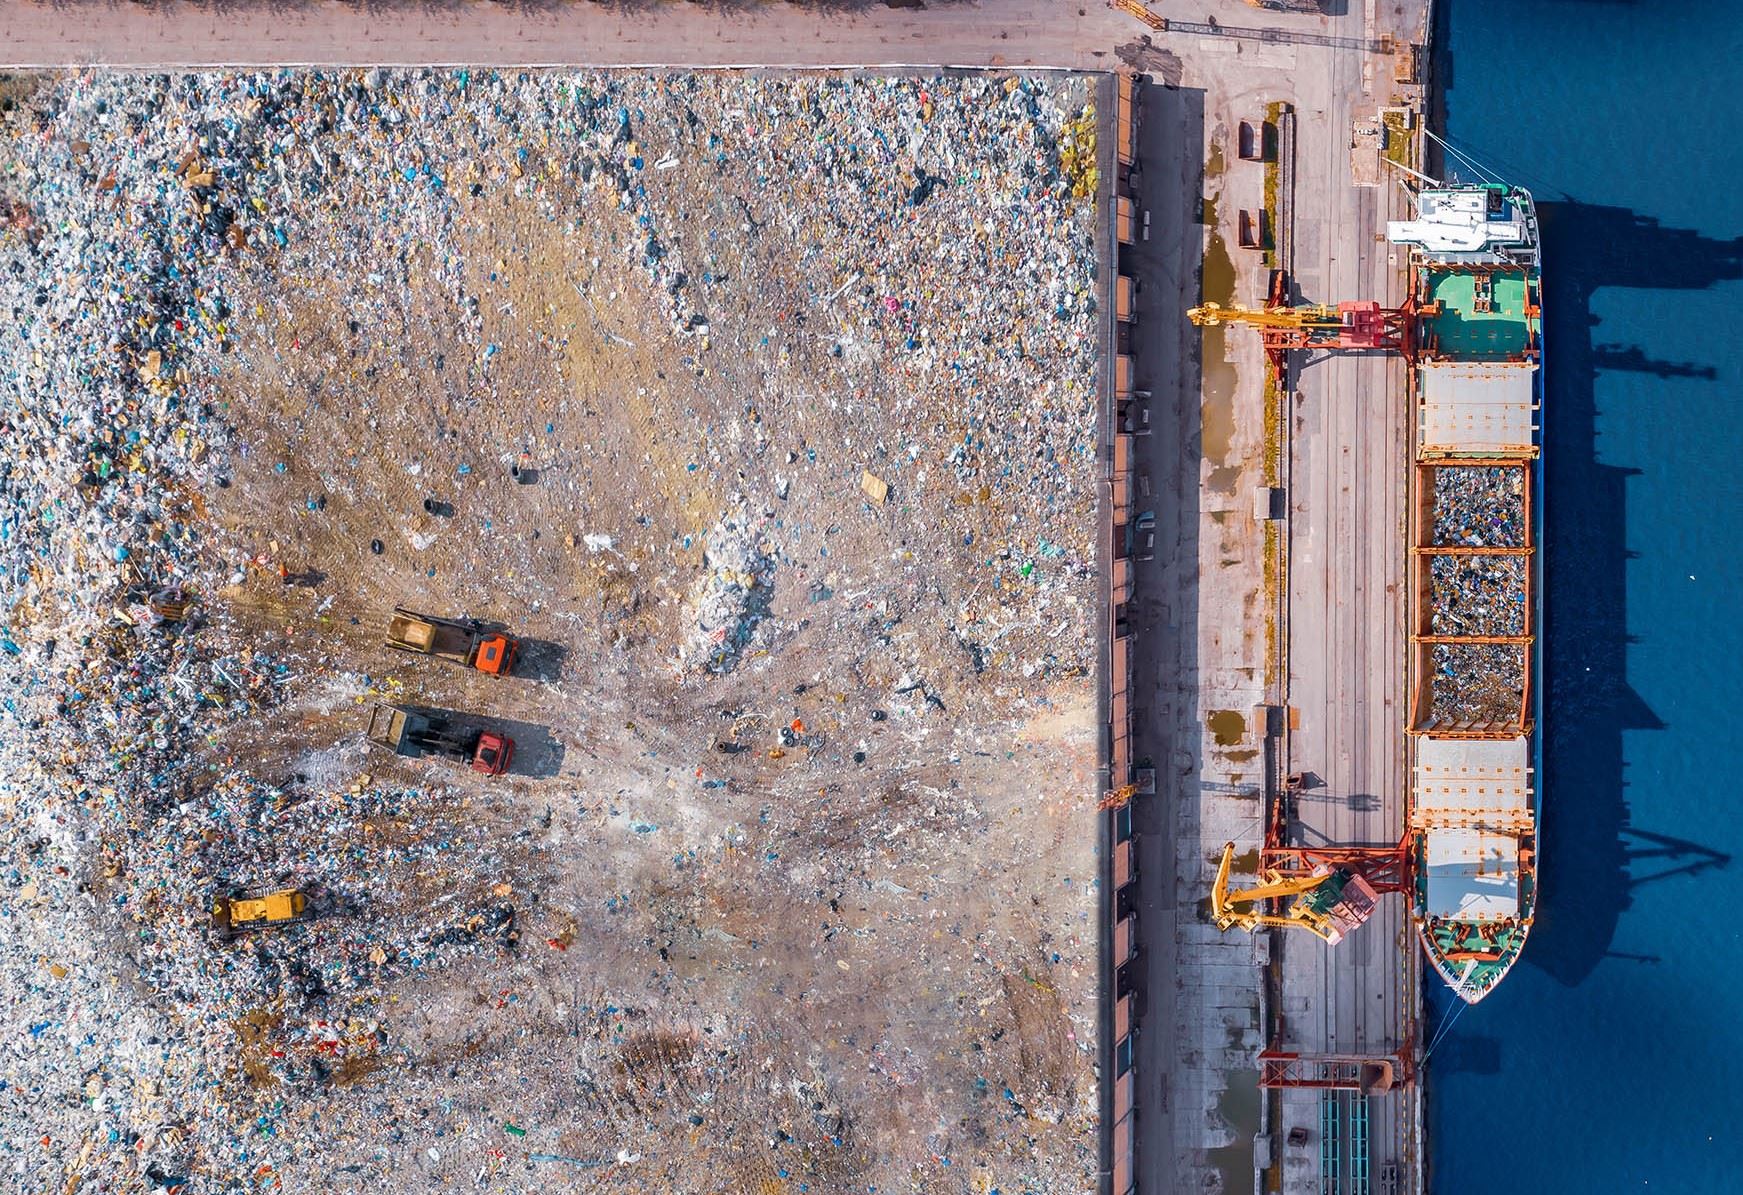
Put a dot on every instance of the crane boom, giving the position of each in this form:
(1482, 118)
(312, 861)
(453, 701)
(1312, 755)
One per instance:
(1278, 884)
(1136, 9)
(1290, 318)
(1347, 327)
(1329, 901)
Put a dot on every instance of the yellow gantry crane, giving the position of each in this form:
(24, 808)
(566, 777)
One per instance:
(1134, 8)
(1210, 315)
(1362, 326)
(1328, 901)
(1160, 24)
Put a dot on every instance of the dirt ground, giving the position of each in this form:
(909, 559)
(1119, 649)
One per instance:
(792, 884)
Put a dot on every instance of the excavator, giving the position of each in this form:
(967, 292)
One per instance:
(1328, 901)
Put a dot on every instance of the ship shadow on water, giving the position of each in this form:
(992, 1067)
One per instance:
(1593, 858)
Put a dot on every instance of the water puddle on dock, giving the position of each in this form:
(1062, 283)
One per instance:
(1238, 1106)
(1222, 479)
(1229, 726)
(1217, 417)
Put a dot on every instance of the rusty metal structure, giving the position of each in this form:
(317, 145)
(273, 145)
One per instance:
(1333, 1072)
(1350, 326)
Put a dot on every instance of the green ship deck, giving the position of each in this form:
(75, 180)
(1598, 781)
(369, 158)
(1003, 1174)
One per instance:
(1483, 316)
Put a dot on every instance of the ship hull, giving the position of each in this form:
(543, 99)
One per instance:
(1475, 730)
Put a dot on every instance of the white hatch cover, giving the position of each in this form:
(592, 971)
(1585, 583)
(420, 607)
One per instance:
(1477, 406)
(1473, 875)
(1472, 782)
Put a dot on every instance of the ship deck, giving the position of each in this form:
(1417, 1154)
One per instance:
(1484, 314)
(1474, 615)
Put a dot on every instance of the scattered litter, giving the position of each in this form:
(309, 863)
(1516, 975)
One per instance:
(221, 283)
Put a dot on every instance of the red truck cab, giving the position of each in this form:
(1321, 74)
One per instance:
(495, 752)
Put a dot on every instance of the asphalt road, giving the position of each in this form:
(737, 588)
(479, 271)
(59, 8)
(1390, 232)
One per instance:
(577, 32)
(1172, 1075)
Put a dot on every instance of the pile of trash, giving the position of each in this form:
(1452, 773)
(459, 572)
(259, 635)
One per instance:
(134, 208)
(1477, 595)
(125, 201)
(1476, 682)
(119, 197)
(731, 600)
(1479, 506)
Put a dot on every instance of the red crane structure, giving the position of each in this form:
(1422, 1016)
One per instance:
(1355, 326)
(1331, 891)
(1327, 890)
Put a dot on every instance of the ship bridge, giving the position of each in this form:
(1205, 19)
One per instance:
(1467, 224)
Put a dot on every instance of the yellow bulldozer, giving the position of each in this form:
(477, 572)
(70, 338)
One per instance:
(232, 914)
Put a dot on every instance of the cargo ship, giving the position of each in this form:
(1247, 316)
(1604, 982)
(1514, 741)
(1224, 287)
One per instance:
(1474, 743)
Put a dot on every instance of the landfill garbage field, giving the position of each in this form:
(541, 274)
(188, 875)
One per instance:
(762, 412)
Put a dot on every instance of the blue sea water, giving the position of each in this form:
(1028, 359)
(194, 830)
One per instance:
(1611, 1059)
